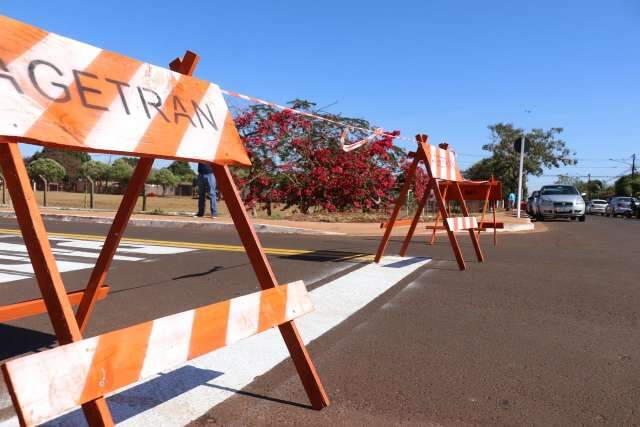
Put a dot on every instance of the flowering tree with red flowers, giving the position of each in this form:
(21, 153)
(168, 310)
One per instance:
(299, 161)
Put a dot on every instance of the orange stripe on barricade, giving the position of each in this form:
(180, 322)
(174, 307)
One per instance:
(84, 109)
(173, 120)
(18, 38)
(117, 361)
(230, 148)
(47, 384)
(204, 339)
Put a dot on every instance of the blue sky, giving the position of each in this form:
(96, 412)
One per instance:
(445, 68)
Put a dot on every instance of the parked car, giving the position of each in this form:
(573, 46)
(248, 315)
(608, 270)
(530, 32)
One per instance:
(596, 206)
(560, 201)
(619, 205)
(635, 207)
(531, 204)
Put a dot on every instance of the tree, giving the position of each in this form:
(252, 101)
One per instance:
(51, 170)
(625, 186)
(480, 170)
(299, 161)
(96, 170)
(70, 160)
(131, 161)
(165, 178)
(121, 171)
(183, 171)
(545, 150)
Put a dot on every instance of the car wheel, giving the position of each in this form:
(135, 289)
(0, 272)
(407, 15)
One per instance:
(582, 218)
(627, 214)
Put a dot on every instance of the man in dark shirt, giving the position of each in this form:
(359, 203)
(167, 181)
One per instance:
(206, 178)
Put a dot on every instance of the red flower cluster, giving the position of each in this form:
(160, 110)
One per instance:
(300, 162)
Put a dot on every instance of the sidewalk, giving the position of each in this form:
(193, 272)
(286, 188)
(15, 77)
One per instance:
(264, 225)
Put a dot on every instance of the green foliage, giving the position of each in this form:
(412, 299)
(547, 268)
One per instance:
(70, 160)
(625, 186)
(165, 178)
(51, 170)
(94, 169)
(545, 150)
(121, 171)
(480, 170)
(132, 161)
(183, 171)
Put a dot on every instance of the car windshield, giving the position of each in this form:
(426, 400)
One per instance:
(559, 190)
(624, 199)
(599, 202)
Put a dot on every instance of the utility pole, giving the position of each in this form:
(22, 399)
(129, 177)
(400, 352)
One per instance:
(520, 176)
(633, 167)
(589, 186)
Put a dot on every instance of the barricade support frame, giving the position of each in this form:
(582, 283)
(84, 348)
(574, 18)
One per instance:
(67, 326)
(421, 156)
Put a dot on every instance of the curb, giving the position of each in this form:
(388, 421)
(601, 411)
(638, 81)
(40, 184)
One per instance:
(208, 226)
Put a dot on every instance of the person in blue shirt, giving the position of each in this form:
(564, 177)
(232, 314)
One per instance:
(206, 178)
(512, 200)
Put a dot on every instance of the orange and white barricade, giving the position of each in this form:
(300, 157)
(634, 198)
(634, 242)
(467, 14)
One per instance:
(489, 192)
(62, 93)
(442, 167)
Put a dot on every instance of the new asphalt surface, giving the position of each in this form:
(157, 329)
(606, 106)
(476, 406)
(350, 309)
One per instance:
(545, 332)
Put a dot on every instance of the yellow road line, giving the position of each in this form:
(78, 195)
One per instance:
(194, 245)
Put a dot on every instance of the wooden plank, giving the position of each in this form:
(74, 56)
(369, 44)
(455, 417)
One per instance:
(398, 223)
(49, 383)
(63, 93)
(37, 306)
(435, 227)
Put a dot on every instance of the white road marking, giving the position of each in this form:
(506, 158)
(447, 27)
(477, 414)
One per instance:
(65, 258)
(242, 362)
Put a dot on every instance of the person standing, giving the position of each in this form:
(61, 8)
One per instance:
(512, 200)
(206, 179)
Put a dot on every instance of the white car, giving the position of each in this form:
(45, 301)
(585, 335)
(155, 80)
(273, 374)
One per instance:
(596, 206)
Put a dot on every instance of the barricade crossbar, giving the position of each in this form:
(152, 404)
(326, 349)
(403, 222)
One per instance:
(87, 369)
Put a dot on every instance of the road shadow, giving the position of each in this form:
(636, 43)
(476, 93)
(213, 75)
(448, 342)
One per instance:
(260, 396)
(145, 396)
(201, 274)
(406, 262)
(23, 341)
(328, 256)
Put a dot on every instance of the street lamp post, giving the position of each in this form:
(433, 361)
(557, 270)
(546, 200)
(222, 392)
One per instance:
(520, 176)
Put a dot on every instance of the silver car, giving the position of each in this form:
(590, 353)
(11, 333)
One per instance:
(596, 206)
(619, 206)
(559, 201)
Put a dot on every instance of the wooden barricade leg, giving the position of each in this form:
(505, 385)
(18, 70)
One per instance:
(452, 236)
(495, 228)
(266, 278)
(112, 241)
(414, 223)
(435, 223)
(472, 234)
(136, 184)
(398, 205)
(484, 209)
(44, 264)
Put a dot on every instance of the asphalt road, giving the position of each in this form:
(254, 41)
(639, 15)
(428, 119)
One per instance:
(545, 332)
